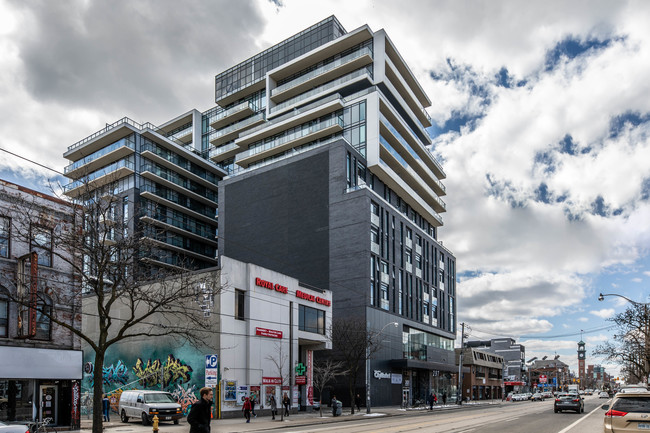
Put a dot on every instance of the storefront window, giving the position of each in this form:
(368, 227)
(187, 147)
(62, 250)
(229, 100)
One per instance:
(16, 397)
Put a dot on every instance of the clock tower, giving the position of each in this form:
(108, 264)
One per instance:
(581, 363)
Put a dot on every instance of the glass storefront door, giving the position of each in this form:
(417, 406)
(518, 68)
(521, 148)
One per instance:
(48, 399)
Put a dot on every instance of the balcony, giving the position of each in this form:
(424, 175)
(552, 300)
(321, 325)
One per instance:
(184, 136)
(173, 182)
(223, 152)
(170, 201)
(394, 160)
(118, 150)
(298, 138)
(233, 114)
(323, 74)
(332, 86)
(231, 132)
(108, 174)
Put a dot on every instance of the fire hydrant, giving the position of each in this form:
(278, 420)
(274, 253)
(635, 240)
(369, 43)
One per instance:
(155, 423)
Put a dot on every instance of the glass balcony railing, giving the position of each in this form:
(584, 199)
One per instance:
(177, 199)
(322, 70)
(214, 152)
(320, 89)
(244, 106)
(408, 147)
(124, 142)
(239, 125)
(300, 133)
(177, 180)
(112, 168)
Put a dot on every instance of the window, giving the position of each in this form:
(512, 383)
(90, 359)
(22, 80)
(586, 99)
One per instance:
(384, 296)
(374, 234)
(4, 317)
(42, 245)
(43, 323)
(5, 232)
(311, 320)
(240, 298)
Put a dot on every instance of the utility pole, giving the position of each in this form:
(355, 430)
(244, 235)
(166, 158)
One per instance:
(459, 398)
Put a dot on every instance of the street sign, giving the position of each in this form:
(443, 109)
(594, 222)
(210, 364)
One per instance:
(211, 361)
(542, 378)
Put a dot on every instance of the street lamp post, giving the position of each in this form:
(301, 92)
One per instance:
(395, 324)
(646, 349)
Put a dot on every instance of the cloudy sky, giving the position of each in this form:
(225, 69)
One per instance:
(542, 115)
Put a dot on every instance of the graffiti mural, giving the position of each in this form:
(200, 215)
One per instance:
(113, 375)
(173, 371)
(185, 397)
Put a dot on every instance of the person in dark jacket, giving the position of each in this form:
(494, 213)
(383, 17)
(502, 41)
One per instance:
(274, 406)
(285, 403)
(200, 413)
(357, 402)
(106, 408)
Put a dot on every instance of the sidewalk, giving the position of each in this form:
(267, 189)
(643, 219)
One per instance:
(295, 420)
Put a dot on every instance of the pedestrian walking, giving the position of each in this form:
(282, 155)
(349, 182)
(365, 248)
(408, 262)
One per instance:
(247, 409)
(334, 405)
(274, 406)
(444, 397)
(435, 399)
(285, 403)
(201, 411)
(430, 401)
(106, 408)
(253, 402)
(357, 402)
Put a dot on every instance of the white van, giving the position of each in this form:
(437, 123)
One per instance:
(146, 404)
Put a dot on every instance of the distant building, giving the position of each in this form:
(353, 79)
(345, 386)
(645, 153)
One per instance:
(550, 374)
(485, 378)
(40, 361)
(514, 356)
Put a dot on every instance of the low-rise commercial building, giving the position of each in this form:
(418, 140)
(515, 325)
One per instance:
(484, 381)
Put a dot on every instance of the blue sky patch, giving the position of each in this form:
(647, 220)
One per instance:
(542, 194)
(568, 146)
(570, 48)
(631, 118)
(545, 159)
(598, 207)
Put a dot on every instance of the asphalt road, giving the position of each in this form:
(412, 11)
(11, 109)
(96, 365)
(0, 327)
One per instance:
(526, 416)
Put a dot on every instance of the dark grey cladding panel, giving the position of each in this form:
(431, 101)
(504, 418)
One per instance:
(277, 217)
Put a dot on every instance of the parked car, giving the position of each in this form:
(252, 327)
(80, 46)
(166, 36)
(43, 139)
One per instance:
(13, 428)
(147, 404)
(566, 401)
(537, 397)
(628, 412)
(634, 388)
(547, 394)
(603, 394)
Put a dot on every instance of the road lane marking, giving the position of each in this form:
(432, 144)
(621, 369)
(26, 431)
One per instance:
(566, 429)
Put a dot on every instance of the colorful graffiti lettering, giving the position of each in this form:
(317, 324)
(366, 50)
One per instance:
(113, 374)
(173, 370)
(185, 397)
(176, 371)
(118, 373)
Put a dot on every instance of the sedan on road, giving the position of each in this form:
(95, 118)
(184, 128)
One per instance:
(603, 394)
(569, 402)
(13, 428)
(629, 412)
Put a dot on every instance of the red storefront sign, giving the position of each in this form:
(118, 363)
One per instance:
(269, 285)
(513, 383)
(542, 378)
(301, 380)
(302, 295)
(272, 333)
(271, 381)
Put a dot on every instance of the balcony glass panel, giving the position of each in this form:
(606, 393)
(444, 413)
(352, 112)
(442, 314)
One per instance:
(181, 181)
(124, 142)
(239, 125)
(177, 219)
(123, 163)
(322, 70)
(324, 87)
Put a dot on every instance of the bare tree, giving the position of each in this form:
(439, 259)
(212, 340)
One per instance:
(280, 360)
(629, 346)
(353, 344)
(324, 373)
(127, 288)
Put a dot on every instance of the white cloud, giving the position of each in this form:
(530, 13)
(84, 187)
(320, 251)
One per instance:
(637, 280)
(605, 313)
(583, 319)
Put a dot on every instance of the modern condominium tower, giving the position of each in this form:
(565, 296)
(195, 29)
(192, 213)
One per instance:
(324, 136)
(316, 162)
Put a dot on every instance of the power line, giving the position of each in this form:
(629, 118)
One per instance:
(32, 161)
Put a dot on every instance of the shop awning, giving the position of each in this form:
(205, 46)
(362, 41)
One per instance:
(32, 363)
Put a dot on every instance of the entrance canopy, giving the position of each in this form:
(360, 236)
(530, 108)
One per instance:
(31, 363)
